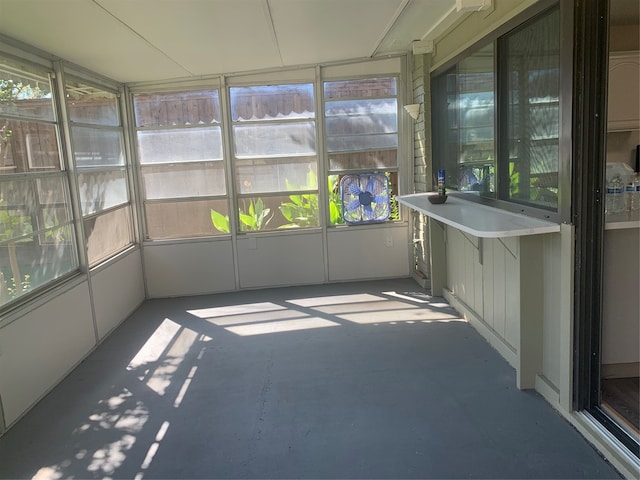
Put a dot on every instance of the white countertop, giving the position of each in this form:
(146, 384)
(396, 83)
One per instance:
(477, 219)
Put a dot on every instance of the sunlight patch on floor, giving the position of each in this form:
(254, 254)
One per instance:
(282, 326)
(155, 345)
(378, 306)
(244, 309)
(284, 314)
(335, 300)
(409, 297)
(403, 315)
(163, 353)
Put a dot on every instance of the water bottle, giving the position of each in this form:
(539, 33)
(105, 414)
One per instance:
(635, 201)
(441, 182)
(615, 196)
(629, 196)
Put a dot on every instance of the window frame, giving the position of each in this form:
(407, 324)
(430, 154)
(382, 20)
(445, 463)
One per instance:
(562, 213)
(392, 173)
(222, 200)
(34, 176)
(123, 167)
(243, 202)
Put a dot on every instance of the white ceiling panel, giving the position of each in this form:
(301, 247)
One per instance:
(310, 31)
(81, 32)
(156, 40)
(205, 36)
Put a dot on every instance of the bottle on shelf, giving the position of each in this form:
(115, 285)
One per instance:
(629, 196)
(635, 200)
(615, 196)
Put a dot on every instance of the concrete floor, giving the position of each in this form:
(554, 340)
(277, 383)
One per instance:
(357, 380)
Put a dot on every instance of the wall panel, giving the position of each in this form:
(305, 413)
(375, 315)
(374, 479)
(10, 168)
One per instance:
(40, 348)
(121, 280)
(277, 260)
(362, 253)
(192, 268)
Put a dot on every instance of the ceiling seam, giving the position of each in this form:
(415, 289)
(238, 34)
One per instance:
(396, 15)
(272, 29)
(151, 45)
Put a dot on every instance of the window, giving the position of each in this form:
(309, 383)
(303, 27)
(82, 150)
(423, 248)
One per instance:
(495, 118)
(274, 156)
(179, 141)
(98, 152)
(361, 125)
(37, 239)
(531, 94)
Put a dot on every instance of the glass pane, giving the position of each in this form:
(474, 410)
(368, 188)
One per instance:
(27, 205)
(184, 219)
(35, 260)
(275, 175)
(362, 142)
(280, 212)
(107, 234)
(366, 87)
(370, 160)
(445, 128)
(28, 147)
(183, 180)
(96, 147)
(532, 117)
(361, 116)
(177, 109)
(24, 92)
(180, 145)
(88, 104)
(272, 102)
(102, 190)
(476, 107)
(297, 138)
(53, 196)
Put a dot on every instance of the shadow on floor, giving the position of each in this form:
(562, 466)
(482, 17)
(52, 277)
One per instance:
(355, 380)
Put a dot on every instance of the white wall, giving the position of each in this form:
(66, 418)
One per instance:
(122, 280)
(38, 349)
(277, 259)
(368, 252)
(621, 302)
(43, 342)
(280, 259)
(189, 268)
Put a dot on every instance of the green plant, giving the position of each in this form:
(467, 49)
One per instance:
(256, 218)
(253, 219)
(302, 209)
(335, 208)
(12, 227)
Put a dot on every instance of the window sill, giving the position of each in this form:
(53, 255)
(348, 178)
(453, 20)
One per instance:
(478, 220)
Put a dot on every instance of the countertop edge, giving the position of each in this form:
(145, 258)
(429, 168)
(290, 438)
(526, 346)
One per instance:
(538, 226)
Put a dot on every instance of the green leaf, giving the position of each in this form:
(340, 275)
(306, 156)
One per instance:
(248, 220)
(220, 222)
(287, 211)
(297, 199)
